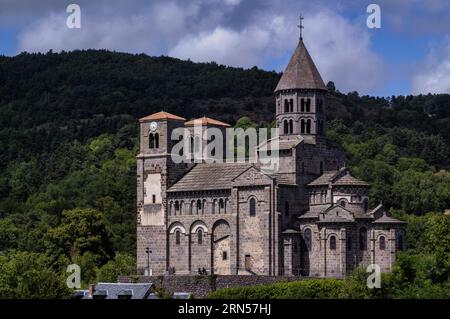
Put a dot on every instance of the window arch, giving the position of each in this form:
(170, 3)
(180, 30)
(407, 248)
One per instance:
(200, 237)
(382, 243)
(307, 238)
(308, 126)
(177, 237)
(221, 205)
(333, 243)
(363, 239)
(252, 207)
(342, 203)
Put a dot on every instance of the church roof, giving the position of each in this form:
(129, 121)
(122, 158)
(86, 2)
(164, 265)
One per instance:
(209, 176)
(301, 72)
(161, 116)
(341, 177)
(206, 121)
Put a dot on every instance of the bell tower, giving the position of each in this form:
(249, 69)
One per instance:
(301, 98)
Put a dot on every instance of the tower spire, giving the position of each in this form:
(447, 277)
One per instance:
(301, 27)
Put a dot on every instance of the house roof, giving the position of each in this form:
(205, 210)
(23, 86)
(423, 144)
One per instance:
(301, 72)
(206, 121)
(114, 290)
(210, 176)
(341, 177)
(161, 116)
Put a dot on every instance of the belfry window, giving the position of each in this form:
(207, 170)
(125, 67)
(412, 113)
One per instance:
(221, 205)
(199, 206)
(252, 207)
(291, 126)
(302, 126)
(291, 105)
(366, 205)
(286, 106)
(332, 243)
(286, 127)
(308, 105)
(302, 105)
(308, 126)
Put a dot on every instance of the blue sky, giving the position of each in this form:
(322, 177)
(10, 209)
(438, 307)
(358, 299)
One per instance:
(410, 54)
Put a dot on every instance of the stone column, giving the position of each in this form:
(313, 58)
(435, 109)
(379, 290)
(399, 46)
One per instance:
(343, 252)
(234, 232)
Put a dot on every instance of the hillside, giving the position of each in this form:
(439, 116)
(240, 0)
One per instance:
(68, 140)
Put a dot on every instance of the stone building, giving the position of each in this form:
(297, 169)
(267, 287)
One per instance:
(310, 218)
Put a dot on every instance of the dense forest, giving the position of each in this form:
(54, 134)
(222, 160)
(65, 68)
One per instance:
(68, 140)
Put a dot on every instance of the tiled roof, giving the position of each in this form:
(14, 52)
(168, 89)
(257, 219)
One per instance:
(335, 220)
(212, 176)
(384, 219)
(206, 121)
(282, 179)
(301, 72)
(341, 177)
(309, 215)
(161, 116)
(114, 290)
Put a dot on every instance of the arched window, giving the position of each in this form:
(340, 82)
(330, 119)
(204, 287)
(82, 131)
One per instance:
(291, 105)
(177, 207)
(302, 126)
(199, 206)
(382, 243)
(308, 126)
(286, 208)
(151, 141)
(307, 239)
(342, 203)
(302, 105)
(400, 242)
(203, 206)
(192, 207)
(177, 237)
(156, 140)
(321, 167)
(363, 239)
(291, 126)
(170, 208)
(366, 205)
(308, 105)
(191, 145)
(252, 207)
(286, 106)
(221, 205)
(286, 127)
(200, 237)
(214, 206)
(332, 243)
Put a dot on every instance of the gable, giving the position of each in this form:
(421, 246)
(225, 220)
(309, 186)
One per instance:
(338, 212)
(252, 176)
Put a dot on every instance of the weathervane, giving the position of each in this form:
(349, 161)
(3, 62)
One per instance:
(301, 27)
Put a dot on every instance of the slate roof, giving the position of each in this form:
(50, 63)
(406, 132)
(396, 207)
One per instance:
(206, 121)
(341, 178)
(114, 290)
(384, 219)
(301, 72)
(161, 116)
(210, 176)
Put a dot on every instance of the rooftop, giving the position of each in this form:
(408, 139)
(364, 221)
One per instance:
(206, 121)
(161, 116)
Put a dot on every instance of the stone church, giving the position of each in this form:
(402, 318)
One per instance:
(310, 218)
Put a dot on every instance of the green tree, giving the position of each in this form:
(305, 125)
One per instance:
(123, 264)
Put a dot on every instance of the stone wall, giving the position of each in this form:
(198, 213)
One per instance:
(201, 286)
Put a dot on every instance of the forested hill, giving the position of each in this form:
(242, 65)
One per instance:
(68, 140)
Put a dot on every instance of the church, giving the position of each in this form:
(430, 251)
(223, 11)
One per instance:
(309, 218)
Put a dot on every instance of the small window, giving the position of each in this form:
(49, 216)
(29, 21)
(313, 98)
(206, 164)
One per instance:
(291, 126)
(308, 105)
(252, 207)
(153, 198)
(308, 126)
(302, 126)
(221, 205)
(156, 140)
(332, 243)
(366, 205)
(200, 237)
(199, 206)
(248, 262)
(342, 203)
(177, 206)
(151, 141)
(224, 255)
(382, 243)
(286, 127)
(177, 237)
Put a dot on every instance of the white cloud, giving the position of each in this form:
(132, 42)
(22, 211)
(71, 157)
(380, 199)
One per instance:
(221, 31)
(433, 76)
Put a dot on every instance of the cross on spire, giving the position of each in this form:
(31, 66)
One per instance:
(301, 27)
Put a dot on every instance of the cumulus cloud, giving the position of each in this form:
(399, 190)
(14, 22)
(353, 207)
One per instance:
(433, 76)
(232, 32)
